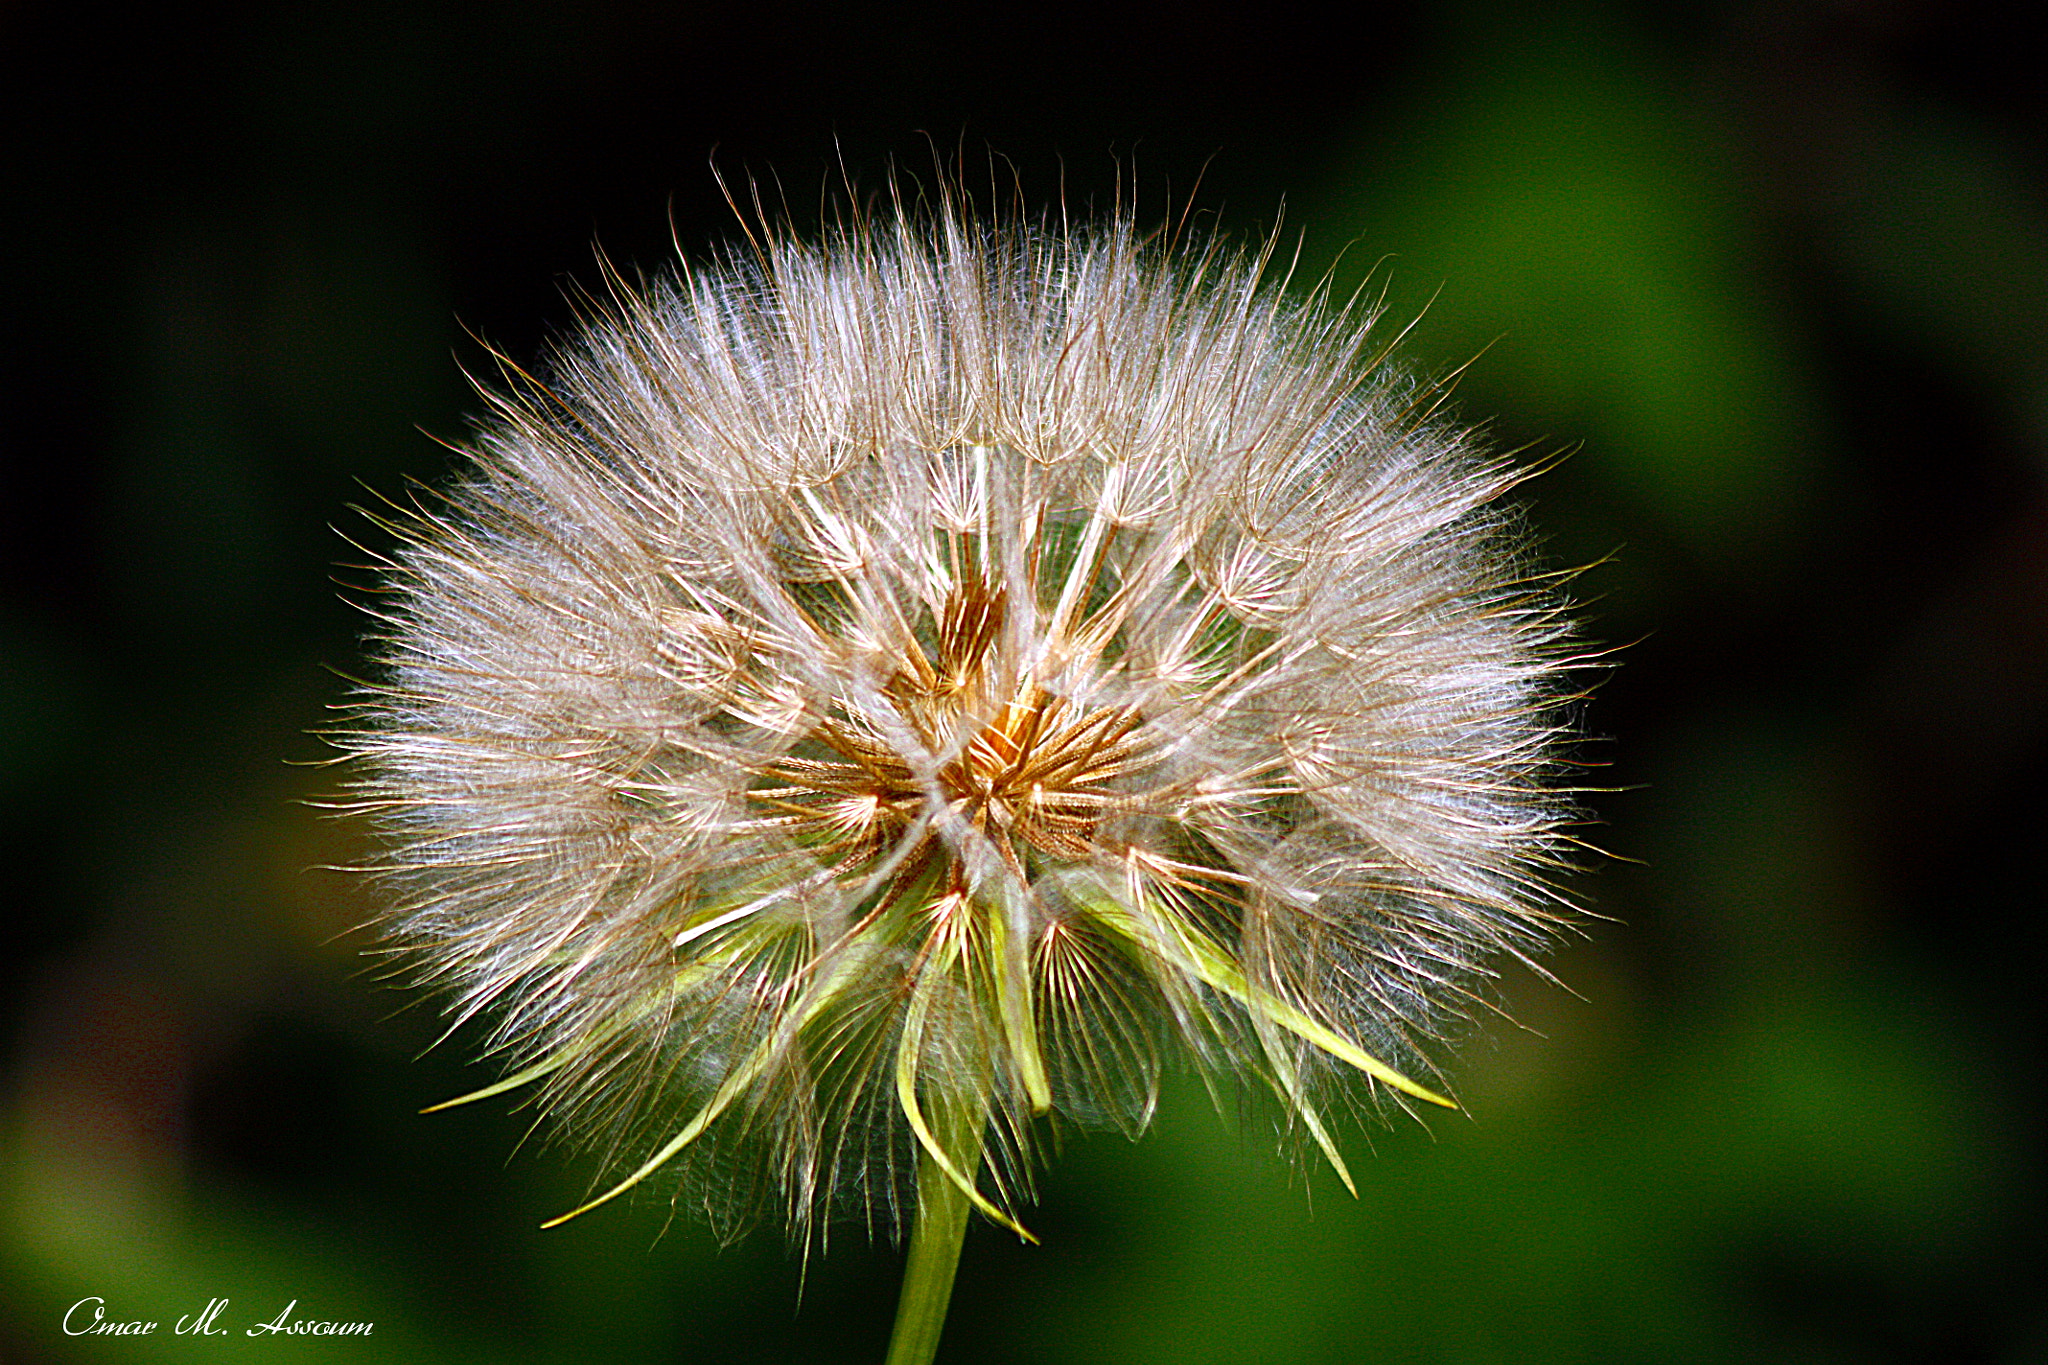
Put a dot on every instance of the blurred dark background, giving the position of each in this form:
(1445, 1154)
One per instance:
(1776, 271)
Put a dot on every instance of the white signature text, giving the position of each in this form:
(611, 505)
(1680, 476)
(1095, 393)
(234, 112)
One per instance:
(88, 1317)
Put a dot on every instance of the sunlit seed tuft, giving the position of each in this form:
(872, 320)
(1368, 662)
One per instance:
(949, 671)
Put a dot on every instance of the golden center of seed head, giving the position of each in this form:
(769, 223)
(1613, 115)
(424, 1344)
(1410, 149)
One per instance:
(989, 747)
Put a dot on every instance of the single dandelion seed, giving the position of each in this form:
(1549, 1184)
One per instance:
(874, 697)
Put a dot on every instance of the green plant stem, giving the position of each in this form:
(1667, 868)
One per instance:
(942, 1210)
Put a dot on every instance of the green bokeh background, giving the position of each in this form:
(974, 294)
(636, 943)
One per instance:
(1775, 273)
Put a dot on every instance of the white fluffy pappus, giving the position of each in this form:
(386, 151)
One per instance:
(870, 695)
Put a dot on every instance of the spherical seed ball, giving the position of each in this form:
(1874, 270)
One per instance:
(874, 692)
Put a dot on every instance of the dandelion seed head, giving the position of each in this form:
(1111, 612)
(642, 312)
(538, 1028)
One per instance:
(943, 667)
